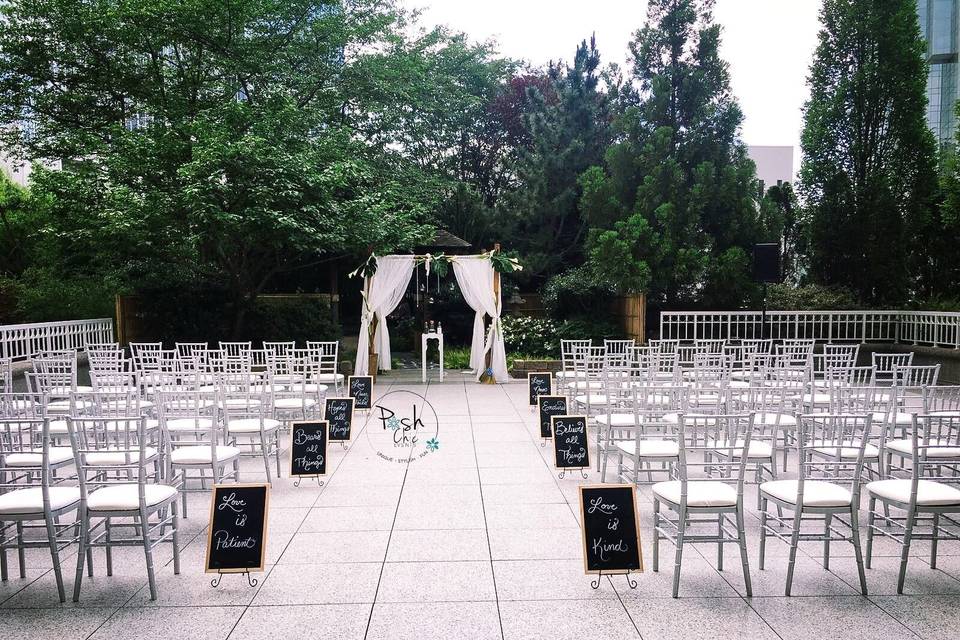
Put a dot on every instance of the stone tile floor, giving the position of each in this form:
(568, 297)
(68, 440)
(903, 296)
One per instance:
(478, 540)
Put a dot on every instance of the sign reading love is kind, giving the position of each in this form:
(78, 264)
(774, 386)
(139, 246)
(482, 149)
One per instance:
(611, 533)
(237, 531)
(308, 448)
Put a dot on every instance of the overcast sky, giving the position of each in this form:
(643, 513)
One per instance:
(768, 43)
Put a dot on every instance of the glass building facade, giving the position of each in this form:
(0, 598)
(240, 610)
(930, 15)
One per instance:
(939, 25)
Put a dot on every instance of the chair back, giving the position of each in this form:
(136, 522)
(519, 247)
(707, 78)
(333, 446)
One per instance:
(942, 400)
(569, 349)
(713, 449)
(934, 453)
(55, 376)
(665, 345)
(25, 461)
(824, 443)
(910, 383)
(711, 346)
(323, 358)
(884, 364)
(236, 348)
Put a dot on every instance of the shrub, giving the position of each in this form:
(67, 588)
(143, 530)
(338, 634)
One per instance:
(41, 295)
(576, 293)
(811, 297)
(596, 329)
(525, 334)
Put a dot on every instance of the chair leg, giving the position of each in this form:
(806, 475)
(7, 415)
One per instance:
(763, 532)
(55, 557)
(108, 547)
(870, 518)
(744, 561)
(794, 543)
(276, 451)
(679, 555)
(82, 552)
(933, 542)
(266, 459)
(827, 518)
(905, 550)
(21, 551)
(3, 551)
(176, 537)
(855, 539)
(720, 543)
(656, 535)
(148, 555)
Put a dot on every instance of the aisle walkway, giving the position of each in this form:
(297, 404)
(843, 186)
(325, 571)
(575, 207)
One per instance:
(479, 540)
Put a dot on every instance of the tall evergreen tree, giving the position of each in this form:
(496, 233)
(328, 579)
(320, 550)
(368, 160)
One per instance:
(674, 209)
(869, 161)
(569, 131)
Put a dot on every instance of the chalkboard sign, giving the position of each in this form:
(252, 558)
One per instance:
(611, 534)
(361, 390)
(237, 532)
(339, 413)
(570, 448)
(308, 448)
(539, 384)
(550, 406)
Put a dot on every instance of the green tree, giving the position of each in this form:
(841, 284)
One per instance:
(569, 130)
(229, 142)
(673, 209)
(868, 175)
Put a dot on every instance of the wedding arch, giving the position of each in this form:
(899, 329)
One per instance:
(385, 281)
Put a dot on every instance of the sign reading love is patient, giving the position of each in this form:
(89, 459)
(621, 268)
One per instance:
(611, 533)
(237, 531)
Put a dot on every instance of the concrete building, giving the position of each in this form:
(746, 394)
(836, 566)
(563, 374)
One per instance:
(774, 164)
(939, 25)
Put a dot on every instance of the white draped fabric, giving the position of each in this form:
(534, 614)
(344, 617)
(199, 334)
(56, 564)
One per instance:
(387, 287)
(475, 276)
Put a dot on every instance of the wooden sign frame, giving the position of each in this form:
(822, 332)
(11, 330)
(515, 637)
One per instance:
(355, 404)
(353, 411)
(586, 442)
(583, 529)
(326, 446)
(264, 532)
(530, 375)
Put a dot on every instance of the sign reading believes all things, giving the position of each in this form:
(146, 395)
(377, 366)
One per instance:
(237, 531)
(611, 534)
(308, 448)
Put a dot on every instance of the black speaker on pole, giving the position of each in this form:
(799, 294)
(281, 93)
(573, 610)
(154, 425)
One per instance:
(766, 262)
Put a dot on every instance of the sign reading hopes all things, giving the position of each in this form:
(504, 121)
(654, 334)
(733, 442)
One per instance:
(237, 531)
(361, 390)
(539, 384)
(550, 406)
(570, 442)
(339, 413)
(611, 535)
(308, 448)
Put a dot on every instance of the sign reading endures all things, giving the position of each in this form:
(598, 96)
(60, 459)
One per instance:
(570, 447)
(308, 448)
(339, 413)
(611, 533)
(539, 384)
(549, 406)
(361, 390)
(237, 531)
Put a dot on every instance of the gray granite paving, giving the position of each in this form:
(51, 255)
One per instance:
(478, 540)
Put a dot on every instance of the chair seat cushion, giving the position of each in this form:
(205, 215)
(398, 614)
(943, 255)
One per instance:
(946, 413)
(114, 458)
(30, 501)
(201, 454)
(899, 418)
(817, 398)
(64, 406)
(58, 455)
(594, 398)
(816, 493)
(125, 497)
(847, 450)
(773, 419)
(929, 493)
(650, 448)
(314, 388)
(582, 385)
(328, 378)
(294, 403)
(251, 425)
(617, 419)
(189, 424)
(699, 493)
(940, 448)
(758, 448)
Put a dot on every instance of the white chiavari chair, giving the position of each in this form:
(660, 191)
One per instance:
(884, 364)
(246, 414)
(830, 459)
(323, 362)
